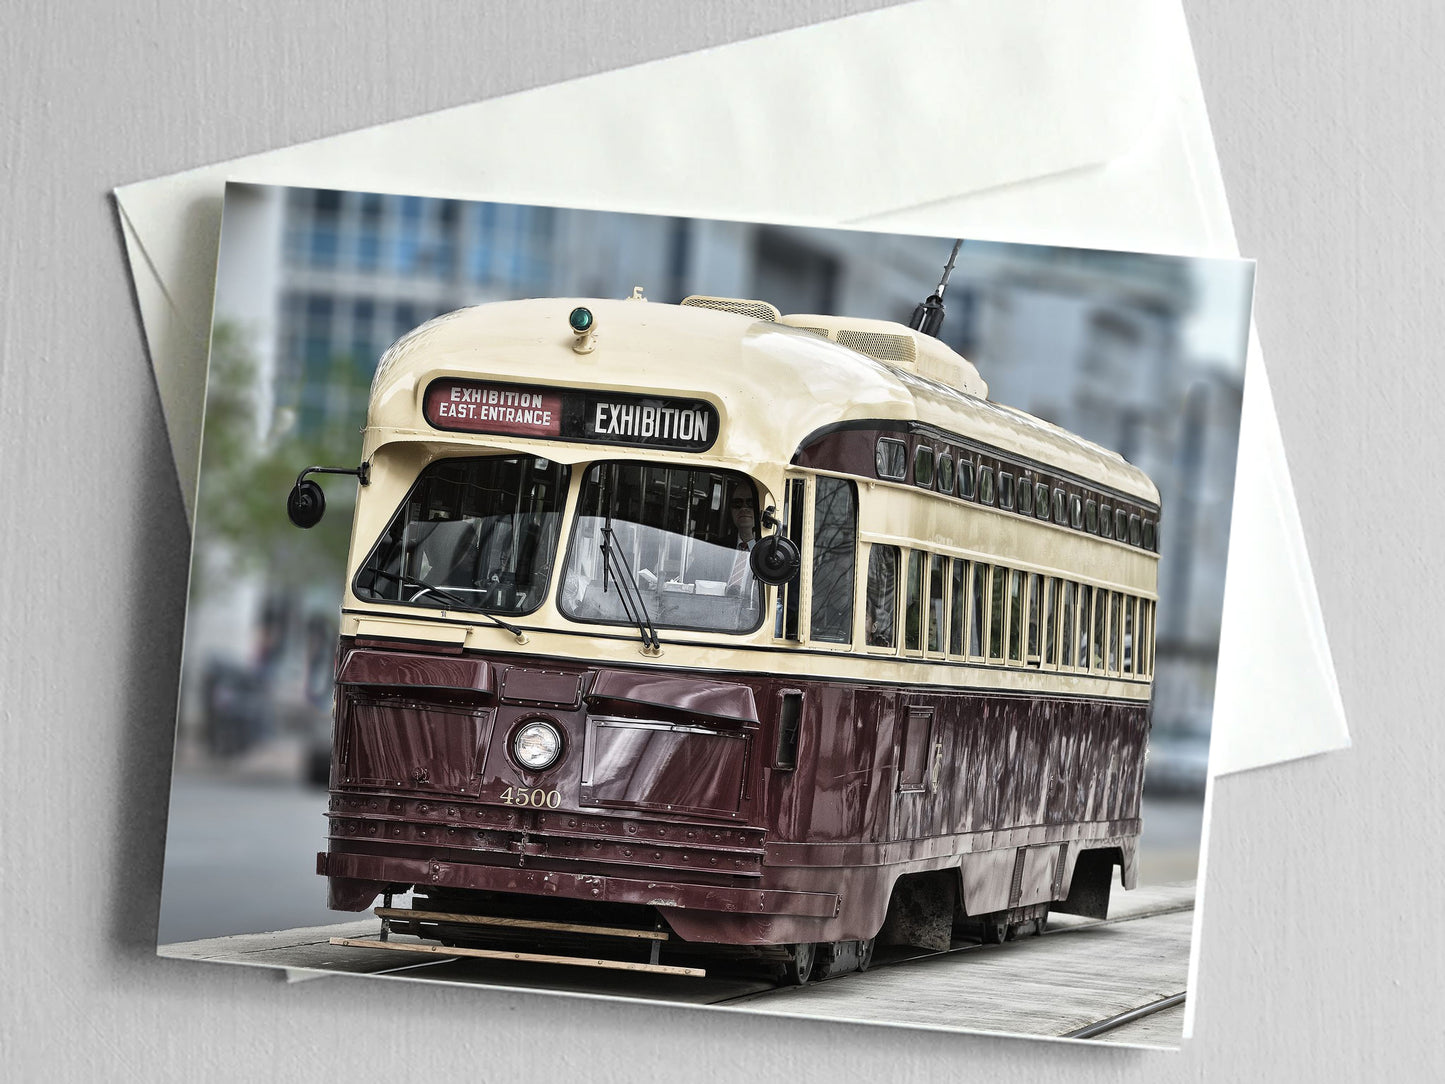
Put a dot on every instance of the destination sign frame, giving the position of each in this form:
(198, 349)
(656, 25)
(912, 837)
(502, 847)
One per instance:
(584, 416)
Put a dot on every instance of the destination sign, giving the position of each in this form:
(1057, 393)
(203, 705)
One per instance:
(591, 417)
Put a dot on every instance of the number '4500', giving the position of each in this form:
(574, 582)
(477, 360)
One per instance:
(536, 797)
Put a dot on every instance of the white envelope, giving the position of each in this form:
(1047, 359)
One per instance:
(1050, 122)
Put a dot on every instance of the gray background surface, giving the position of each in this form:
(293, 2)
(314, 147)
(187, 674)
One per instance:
(1322, 955)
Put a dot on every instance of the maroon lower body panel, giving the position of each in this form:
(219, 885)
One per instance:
(687, 793)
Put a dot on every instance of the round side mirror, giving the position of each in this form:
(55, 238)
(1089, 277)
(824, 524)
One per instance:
(306, 504)
(775, 559)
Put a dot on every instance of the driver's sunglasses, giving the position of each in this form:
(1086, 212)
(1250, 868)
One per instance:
(744, 502)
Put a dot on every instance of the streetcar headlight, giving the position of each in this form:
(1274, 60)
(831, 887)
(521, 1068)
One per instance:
(537, 745)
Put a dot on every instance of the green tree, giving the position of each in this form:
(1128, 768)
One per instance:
(241, 524)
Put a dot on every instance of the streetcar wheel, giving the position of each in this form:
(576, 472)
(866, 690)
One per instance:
(799, 968)
(865, 953)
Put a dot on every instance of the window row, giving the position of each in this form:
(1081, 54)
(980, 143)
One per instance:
(977, 610)
(1014, 491)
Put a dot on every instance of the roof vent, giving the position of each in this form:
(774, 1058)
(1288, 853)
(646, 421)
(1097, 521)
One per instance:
(883, 346)
(758, 310)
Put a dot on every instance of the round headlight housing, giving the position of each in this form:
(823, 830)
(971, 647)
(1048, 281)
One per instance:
(537, 745)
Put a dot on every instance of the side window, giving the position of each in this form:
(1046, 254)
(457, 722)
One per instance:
(1129, 635)
(1151, 536)
(1121, 524)
(891, 459)
(1036, 601)
(1061, 508)
(913, 603)
(1041, 500)
(985, 485)
(1051, 623)
(1005, 490)
(965, 478)
(923, 466)
(1134, 531)
(785, 612)
(1016, 616)
(1086, 619)
(1114, 632)
(1066, 629)
(1076, 512)
(958, 600)
(1101, 615)
(882, 612)
(945, 473)
(1091, 517)
(996, 613)
(1026, 497)
(835, 536)
(978, 610)
(936, 565)
(1106, 521)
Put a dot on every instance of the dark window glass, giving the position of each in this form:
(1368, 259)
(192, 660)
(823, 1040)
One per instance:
(882, 595)
(1076, 512)
(985, 485)
(1051, 621)
(1041, 500)
(957, 600)
(945, 473)
(1091, 517)
(1015, 616)
(923, 466)
(1026, 497)
(935, 603)
(913, 603)
(978, 610)
(1061, 508)
(472, 534)
(1005, 490)
(835, 534)
(965, 479)
(684, 535)
(891, 459)
(1101, 617)
(1066, 628)
(996, 614)
(1150, 535)
(1036, 592)
(1086, 617)
(1114, 630)
(1106, 521)
(1129, 635)
(1134, 531)
(1121, 524)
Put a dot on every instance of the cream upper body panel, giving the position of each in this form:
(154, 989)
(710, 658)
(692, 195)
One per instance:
(772, 384)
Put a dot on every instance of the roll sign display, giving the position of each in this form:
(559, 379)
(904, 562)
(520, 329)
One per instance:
(470, 406)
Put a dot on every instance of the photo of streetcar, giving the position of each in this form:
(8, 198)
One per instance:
(754, 628)
(682, 609)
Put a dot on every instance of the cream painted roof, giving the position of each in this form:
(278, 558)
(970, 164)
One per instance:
(773, 385)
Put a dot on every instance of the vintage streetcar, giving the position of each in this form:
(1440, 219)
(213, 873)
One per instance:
(733, 633)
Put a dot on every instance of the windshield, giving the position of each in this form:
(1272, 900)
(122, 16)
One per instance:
(472, 533)
(686, 536)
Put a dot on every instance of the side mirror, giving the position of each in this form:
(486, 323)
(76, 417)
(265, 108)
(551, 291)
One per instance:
(306, 504)
(775, 559)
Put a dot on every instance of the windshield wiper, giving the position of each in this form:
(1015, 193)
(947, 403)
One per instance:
(627, 589)
(457, 602)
